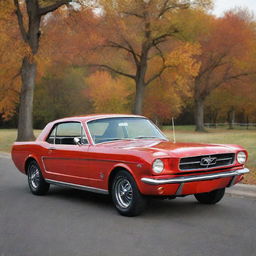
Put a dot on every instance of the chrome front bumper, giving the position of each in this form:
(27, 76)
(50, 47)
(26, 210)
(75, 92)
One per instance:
(184, 179)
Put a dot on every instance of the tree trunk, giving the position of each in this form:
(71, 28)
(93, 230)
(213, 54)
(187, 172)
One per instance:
(231, 118)
(199, 115)
(138, 104)
(25, 123)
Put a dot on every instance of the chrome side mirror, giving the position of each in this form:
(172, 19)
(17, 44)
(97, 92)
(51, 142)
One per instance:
(77, 141)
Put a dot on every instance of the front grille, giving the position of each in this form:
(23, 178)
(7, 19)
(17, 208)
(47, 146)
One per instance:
(206, 161)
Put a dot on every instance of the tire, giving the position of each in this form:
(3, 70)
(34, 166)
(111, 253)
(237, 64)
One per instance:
(212, 197)
(36, 181)
(125, 195)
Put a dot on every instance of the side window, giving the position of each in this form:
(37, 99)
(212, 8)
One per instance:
(64, 133)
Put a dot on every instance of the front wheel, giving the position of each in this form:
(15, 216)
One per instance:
(212, 197)
(36, 181)
(126, 197)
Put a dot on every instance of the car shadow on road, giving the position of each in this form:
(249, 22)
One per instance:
(155, 207)
(80, 196)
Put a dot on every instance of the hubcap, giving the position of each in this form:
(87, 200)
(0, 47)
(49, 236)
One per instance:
(123, 192)
(34, 176)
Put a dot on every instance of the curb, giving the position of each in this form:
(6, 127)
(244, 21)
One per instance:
(5, 155)
(242, 190)
(239, 190)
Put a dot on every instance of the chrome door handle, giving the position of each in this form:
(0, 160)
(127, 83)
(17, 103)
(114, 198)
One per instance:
(51, 148)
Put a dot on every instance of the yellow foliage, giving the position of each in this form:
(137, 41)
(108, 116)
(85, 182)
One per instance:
(109, 95)
(183, 59)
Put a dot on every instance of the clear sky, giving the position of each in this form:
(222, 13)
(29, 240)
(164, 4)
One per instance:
(223, 5)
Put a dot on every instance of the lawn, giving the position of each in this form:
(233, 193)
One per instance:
(8, 136)
(245, 138)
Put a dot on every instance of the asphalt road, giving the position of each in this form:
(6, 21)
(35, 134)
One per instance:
(71, 222)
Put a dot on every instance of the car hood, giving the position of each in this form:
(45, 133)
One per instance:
(167, 148)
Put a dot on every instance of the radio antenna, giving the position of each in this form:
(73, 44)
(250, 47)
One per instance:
(173, 131)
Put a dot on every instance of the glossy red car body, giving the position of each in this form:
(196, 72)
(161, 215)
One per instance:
(92, 166)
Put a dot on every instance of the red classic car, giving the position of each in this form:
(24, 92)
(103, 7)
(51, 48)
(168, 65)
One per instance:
(128, 157)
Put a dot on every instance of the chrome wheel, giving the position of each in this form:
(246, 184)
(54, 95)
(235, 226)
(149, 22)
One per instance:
(123, 192)
(34, 176)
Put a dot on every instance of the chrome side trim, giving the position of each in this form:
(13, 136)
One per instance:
(184, 179)
(76, 186)
(88, 159)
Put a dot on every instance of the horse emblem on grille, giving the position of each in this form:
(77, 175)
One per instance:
(208, 161)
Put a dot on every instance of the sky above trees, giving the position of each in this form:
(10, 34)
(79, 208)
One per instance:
(222, 6)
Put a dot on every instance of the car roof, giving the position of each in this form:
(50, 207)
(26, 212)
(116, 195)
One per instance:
(93, 117)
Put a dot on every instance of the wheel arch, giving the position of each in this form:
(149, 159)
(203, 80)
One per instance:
(29, 159)
(115, 170)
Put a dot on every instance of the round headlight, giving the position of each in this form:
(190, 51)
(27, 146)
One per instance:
(241, 157)
(158, 166)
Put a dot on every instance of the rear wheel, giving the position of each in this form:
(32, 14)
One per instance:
(212, 197)
(36, 181)
(126, 196)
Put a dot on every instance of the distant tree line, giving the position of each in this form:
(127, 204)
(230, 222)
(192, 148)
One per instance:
(160, 58)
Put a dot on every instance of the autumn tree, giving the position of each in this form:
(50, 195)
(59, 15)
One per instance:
(108, 94)
(11, 50)
(61, 92)
(74, 44)
(233, 102)
(166, 99)
(138, 34)
(29, 15)
(226, 52)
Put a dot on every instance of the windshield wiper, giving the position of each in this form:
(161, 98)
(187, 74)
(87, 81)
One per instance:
(146, 137)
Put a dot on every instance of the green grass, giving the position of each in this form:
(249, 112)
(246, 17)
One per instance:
(245, 138)
(8, 136)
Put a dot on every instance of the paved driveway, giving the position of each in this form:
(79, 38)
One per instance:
(70, 222)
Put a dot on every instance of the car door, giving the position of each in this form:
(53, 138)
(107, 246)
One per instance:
(67, 161)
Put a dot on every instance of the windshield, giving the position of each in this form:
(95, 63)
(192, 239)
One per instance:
(123, 128)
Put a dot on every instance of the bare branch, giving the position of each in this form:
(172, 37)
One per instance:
(214, 63)
(20, 21)
(53, 7)
(128, 49)
(134, 14)
(160, 53)
(103, 66)
(166, 7)
(136, 56)
(157, 75)
(162, 38)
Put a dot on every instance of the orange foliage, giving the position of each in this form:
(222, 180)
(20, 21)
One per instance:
(69, 35)
(11, 49)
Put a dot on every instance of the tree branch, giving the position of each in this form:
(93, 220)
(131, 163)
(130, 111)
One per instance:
(129, 49)
(112, 70)
(159, 39)
(134, 14)
(136, 56)
(157, 75)
(20, 21)
(53, 7)
(167, 7)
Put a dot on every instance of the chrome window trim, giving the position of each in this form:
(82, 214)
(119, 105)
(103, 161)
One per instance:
(55, 134)
(101, 118)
